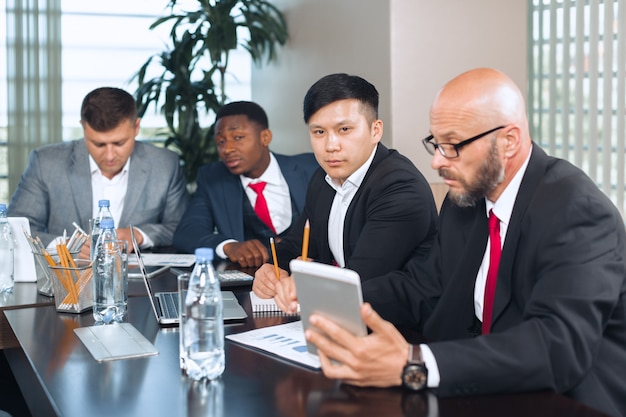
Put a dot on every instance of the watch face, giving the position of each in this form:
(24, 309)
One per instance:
(414, 376)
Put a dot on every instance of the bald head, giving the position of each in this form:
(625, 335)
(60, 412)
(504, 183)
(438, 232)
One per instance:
(477, 101)
(483, 95)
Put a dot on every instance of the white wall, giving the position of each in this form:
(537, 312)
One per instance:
(407, 48)
(432, 42)
(326, 36)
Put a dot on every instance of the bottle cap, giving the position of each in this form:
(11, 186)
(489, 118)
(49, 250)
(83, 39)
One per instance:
(103, 203)
(3, 207)
(107, 224)
(204, 254)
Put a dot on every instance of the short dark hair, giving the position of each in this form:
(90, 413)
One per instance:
(105, 108)
(335, 87)
(253, 111)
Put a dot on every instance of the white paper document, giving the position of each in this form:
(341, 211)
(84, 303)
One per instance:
(284, 340)
(160, 259)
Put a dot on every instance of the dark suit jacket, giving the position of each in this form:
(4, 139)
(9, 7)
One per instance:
(215, 213)
(559, 319)
(55, 190)
(391, 217)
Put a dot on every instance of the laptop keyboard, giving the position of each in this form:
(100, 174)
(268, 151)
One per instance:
(169, 304)
(228, 278)
(231, 278)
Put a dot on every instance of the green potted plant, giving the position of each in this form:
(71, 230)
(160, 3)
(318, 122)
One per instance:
(194, 67)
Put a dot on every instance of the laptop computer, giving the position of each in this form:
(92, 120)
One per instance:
(151, 270)
(165, 304)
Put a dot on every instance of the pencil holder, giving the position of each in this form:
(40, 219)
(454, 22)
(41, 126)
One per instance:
(72, 286)
(44, 273)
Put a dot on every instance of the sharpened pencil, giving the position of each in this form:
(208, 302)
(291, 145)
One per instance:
(274, 258)
(305, 240)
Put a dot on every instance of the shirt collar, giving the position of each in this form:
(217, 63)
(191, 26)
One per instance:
(93, 167)
(503, 207)
(357, 176)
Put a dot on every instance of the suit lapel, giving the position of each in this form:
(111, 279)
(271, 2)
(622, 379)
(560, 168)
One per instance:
(81, 183)
(138, 173)
(463, 238)
(232, 204)
(381, 153)
(474, 236)
(534, 173)
(324, 203)
(288, 169)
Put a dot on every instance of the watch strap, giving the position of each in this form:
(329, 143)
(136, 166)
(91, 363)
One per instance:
(415, 354)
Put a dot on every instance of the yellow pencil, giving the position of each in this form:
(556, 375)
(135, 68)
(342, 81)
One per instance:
(273, 247)
(305, 241)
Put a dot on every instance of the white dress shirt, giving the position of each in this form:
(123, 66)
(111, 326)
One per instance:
(276, 194)
(344, 193)
(114, 190)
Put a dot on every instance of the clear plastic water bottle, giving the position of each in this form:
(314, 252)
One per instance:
(109, 286)
(7, 247)
(103, 213)
(202, 327)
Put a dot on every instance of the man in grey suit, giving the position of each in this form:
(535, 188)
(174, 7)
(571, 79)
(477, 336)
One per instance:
(63, 182)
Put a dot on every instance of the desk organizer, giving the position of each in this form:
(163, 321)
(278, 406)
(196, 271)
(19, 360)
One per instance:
(44, 273)
(72, 286)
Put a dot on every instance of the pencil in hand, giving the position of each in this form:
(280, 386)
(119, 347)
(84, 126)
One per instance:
(273, 247)
(305, 240)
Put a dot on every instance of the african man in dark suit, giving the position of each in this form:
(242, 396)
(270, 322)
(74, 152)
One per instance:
(222, 212)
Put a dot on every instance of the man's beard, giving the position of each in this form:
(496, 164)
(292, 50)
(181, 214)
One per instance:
(488, 176)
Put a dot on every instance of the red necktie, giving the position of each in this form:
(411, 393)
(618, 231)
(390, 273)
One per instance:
(260, 207)
(495, 251)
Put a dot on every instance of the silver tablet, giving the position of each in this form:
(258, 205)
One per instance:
(331, 292)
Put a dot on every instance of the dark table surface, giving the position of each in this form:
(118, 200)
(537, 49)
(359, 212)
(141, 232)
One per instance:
(58, 376)
(24, 295)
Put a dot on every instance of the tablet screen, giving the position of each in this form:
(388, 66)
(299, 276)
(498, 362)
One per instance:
(331, 292)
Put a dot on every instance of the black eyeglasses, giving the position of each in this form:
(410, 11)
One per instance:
(451, 150)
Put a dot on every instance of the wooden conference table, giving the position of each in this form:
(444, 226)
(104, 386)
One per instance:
(58, 376)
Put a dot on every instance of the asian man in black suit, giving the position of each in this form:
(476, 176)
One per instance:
(370, 209)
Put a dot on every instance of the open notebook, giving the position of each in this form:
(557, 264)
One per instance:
(262, 306)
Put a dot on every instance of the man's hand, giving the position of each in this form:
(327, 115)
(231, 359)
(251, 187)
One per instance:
(250, 253)
(286, 298)
(373, 360)
(85, 250)
(265, 281)
(124, 234)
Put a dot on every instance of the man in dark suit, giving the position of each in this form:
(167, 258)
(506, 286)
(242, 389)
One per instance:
(63, 182)
(369, 209)
(558, 315)
(222, 214)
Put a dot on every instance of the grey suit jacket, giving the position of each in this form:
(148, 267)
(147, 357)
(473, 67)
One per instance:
(55, 190)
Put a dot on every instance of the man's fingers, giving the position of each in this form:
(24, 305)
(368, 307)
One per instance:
(335, 332)
(264, 284)
(286, 294)
(250, 253)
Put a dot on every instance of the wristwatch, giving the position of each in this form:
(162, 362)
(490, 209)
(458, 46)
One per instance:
(415, 374)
